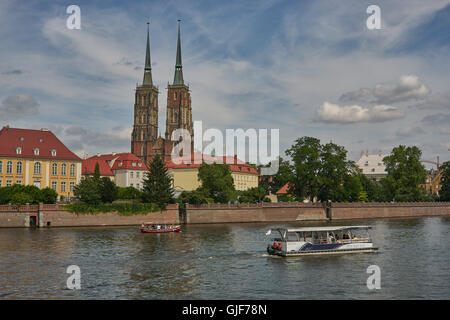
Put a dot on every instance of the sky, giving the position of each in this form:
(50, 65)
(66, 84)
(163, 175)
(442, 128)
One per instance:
(307, 68)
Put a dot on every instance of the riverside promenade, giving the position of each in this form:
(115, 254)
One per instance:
(54, 215)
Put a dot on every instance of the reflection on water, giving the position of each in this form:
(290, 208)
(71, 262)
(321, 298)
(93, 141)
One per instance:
(226, 261)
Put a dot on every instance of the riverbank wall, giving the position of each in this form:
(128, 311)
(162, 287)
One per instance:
(43, 215)
(298, 211)
(53, 215)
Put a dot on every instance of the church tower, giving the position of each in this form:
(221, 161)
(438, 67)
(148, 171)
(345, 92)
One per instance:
(145, 128)
(179, 111)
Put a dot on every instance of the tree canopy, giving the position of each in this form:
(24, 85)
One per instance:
(158, 184)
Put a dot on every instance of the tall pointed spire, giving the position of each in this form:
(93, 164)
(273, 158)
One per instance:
(148, 64)
(178, 79)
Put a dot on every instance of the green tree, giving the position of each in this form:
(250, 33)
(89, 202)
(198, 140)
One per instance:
(405, 174)
(128, 193)
(333, 174)
(108, 190)
(158, 184)
(216, 182)
(274, 182)
(21, 198)
(49, 196)
(305, 154)
(193, 197)
(372, 188)
(444, 193)
(253, 195)
(88, 191)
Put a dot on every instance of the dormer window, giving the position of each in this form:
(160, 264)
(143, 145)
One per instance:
(19, 150)
(36, 151)
(120, 164)
(21, 139)
(367, 163)
(53, 153)
(139, 164)
(133, 164)
(40, 140)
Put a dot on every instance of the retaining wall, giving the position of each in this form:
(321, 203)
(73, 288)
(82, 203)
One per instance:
(56, 216)
(298, 211)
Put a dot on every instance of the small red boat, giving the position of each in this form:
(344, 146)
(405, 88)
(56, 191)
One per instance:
(159, 229)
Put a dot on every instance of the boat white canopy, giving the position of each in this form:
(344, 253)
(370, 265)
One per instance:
(312, 229)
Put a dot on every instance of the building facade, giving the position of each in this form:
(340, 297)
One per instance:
(125, 169)
(145, 139)
(372, 165)
(185, 175)
(39, 158)
(432, 183)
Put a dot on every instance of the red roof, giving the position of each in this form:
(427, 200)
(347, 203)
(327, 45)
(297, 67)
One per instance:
(235, 164)
(29, 142)
(284, 189)
(88, 167)
(110, 162)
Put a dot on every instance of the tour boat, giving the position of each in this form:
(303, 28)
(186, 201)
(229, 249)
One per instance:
(320, 240)
(152, 228)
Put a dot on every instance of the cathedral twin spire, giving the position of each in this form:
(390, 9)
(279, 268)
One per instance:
(178, 78)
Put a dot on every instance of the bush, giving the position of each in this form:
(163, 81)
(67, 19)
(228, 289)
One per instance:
(19, 194)
(128, 193)
(123, 209)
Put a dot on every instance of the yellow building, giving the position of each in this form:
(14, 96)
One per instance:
(37, 157)
(185, 175)
(432, 183)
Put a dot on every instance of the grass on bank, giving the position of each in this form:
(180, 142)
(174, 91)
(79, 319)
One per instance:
(123, 209)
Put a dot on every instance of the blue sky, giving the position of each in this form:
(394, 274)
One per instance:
(305, 67)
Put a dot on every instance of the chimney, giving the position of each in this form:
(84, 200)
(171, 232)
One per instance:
(362, 154)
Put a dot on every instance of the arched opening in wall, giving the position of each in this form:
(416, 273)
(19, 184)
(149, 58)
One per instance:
(142, 150)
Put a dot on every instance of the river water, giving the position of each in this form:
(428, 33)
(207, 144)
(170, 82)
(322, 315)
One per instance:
(222, 261)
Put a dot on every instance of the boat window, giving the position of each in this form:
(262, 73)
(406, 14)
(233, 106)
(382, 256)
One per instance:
(292, 236)
(307, 236)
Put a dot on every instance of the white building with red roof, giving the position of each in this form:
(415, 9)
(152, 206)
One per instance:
(37, 157)
(125, 169)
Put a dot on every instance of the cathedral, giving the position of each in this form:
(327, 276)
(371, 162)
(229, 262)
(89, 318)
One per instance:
(145, 139)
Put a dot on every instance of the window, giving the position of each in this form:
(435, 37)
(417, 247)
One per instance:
(137, 174)
(18, 181)
(72, 186)
(8, 183)
(0, 183)
(19, 167)
(53, 153)
(138, 186)
(72, 170)
(63, 186)
(131, 174)
(9, 167)
(175, 95)
(55, 185)
(54, 169)
(131, 184)
(63, 169)
(36, 151)
(133, 164)
(37, 168)
(19, 150)
(1, 167)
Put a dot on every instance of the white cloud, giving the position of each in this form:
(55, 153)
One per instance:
(409, 87)
(333, 113)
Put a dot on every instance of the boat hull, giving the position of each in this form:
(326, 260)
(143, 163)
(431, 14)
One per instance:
(146, 230)
(281, 253)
